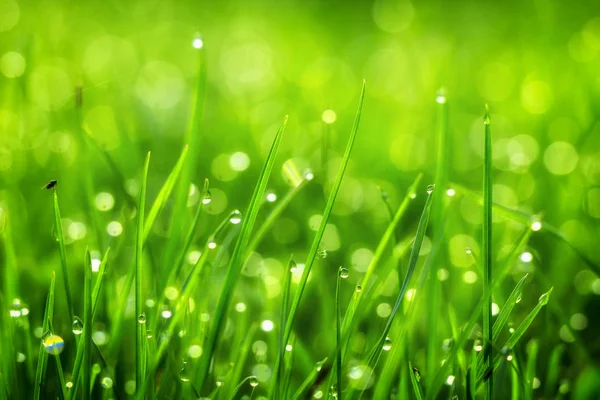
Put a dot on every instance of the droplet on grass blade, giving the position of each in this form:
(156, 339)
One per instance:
(387, 344)
(343, 273)
(207, 197)
(53, 344)
(253, 381)
(333, 391)
(235, 217)
(142, 318)
(149, 334)
(430, 188)
(358, 288)
(77, 325)
(107, 383)
(184, 375)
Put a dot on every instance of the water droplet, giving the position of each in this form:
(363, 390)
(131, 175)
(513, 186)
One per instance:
(412, 195)
(96, 368)
(253, 381)
(447, 344)
(107, 383)
(322, 253)
(343, 273)
(536, 226)
(450, 192)
(219, 382)
(333, 391)
(478, 345)
(207, 197)
(292, 265)
(387, 344)
(142, 318)
(235, 217)
(468, 250)
(518, 300)
(184, 375)
(53, 344)
(544, 298)
(212, 244)
(149, 334)
(486, 118)
(77, 326)
(308, 174)
(197, 43)
(440, 96)
(358, 288)
(271, 197)
(15, 309)
(319, 365)
(430, 188)
(21, 357)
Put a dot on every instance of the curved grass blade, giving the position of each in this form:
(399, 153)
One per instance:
(163, 194)
(311, 379)
(329, 206)
(517, 334)
(502, 318)
(412, 264)
(42, 355)
(487, 253)
(238, 258)
(237, 389)
(353, 313)
(87, 327)
(63, 253)
(140, 359)
(414, 379)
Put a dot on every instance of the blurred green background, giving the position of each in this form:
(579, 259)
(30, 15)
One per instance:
(535, 63)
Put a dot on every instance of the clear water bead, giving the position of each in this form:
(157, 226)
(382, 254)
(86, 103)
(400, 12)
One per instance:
(77, 326)
(343, 273)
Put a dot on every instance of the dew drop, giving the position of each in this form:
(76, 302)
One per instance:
(486, 118)
(358, 288)
(518, 300)
(77, 326)
(343, 273)
(387, 344)
(53, 344)
(440, 96)
(211, 243)
(107, 383)
(236, 217)
(430, 188)
(15, 309)
(322, 253)
(142, 318)
(184, 375)
(253, 381)
(149, 334)
(468, 250)
(207, 197)
(478, 345)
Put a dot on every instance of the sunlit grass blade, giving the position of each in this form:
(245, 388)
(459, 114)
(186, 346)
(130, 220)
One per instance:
(279, 364)
(139, 276)
(532, 350)
(246, 381)
(87, 326)
(244, 351)
(326, 213)
(288, 362)
(517, 334)
(95, 297)
(338, 334)
(352, 315)
(412, 265)
(502, 318)
(163, 194)
(10, 292)
(63, 254)
(238, 258)
(486, 243)
(414, 379)
(310, 380)
(42, 355)
(59, 370)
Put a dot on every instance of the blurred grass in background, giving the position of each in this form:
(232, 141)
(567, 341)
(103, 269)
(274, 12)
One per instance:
(136, 63)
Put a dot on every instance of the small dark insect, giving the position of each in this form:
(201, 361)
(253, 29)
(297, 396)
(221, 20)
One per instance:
(50, 185)
(417, 373)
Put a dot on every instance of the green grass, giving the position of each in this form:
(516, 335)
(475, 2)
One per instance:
(195, 299)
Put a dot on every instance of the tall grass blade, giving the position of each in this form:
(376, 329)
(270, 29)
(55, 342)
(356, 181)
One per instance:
(517, 334)
(338, 335)
(87, 326)
(310, 380)
(326, 213)
(139, 275)
(238, 257)
(487, 253)
(42, 355)
(164, 193)
(502, 318)
(63, 254)
(532, 350)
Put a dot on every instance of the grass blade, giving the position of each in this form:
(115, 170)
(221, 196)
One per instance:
(329, 206)
(414, 379)
(532, 350)
(487, 253)
(502, 318)
(517, 334)
(42, 355)
(238, 258)
(139, 276)
(338, 334)
(87, 326)
(63, 254)
(163, 194)
(310, 379)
